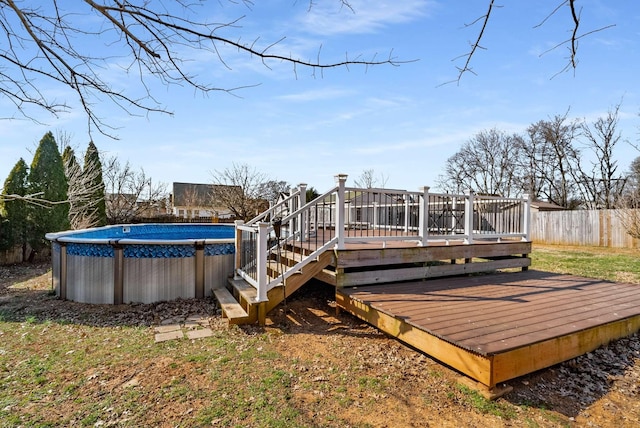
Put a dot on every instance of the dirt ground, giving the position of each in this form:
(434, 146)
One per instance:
(600, 389)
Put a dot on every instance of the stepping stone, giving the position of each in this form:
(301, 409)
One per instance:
(199, 334)
(167, 328)
(191, 325)
(170, 335)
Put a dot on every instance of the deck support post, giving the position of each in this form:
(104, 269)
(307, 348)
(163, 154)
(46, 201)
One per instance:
(262, 250)
(238, 255)
(340, 209)
(468, 217)
(423, 216)
(262, 313)
(302, 201)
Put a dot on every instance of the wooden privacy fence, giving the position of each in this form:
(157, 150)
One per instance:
(598, 228)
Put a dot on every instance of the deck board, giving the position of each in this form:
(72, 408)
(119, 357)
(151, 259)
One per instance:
(492, 313)
(502, 316)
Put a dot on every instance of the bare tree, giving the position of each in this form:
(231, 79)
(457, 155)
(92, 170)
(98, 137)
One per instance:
(551, 152)
(271, 189)
(485, 164)
(628, 205)
(72, 43)
(83, 212)
(241, 189)
(367, 179)
(601, 185)
(129, 193)
(192, 200)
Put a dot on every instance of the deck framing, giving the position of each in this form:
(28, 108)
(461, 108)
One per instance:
(367, 265)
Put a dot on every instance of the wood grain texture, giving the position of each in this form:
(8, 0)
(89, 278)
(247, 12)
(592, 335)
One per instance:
(520, 322)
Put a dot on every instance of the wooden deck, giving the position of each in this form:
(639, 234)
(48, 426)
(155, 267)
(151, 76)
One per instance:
(500, 326)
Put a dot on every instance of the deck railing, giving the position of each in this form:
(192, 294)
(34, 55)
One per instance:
(294, 229)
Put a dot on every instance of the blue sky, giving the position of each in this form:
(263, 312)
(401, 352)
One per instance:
(402, 122)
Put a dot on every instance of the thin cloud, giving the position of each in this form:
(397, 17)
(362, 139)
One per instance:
(317, 95)
(327, 18)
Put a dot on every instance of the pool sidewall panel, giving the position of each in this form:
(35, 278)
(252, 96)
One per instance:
(55, 268)
(90, 279)
(154, 262)
(217, 270)
(148, 280)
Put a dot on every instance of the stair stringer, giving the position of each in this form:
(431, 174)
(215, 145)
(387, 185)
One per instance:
(291, 284)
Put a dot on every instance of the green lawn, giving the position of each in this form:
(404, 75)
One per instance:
(620, 265)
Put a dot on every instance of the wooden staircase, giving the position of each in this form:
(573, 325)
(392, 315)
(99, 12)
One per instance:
(238, 299)
(350, 237)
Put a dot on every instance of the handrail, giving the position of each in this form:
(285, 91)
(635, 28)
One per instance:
(348, 214)
(309, 204)
(269, 213)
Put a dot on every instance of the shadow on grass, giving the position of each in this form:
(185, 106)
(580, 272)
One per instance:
(566, 388)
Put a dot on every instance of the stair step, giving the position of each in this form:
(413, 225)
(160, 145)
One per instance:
(230, 306)
(289, 256)
(247, 291)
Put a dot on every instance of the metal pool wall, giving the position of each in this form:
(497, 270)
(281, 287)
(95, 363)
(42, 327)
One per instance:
(119, 272)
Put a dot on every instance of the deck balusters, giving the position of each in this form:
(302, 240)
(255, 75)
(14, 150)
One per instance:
(345, 214)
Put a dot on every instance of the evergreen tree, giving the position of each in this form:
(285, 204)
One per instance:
(93, 175)
(69, 159)
(47, 178)
(75, 189)
(13, 227)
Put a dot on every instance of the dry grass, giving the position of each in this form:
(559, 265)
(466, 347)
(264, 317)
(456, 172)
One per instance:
(68, 364)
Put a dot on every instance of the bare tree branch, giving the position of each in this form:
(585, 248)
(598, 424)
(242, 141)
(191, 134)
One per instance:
(34, 199)
(47, 43)
(572, 41)
(474, 46)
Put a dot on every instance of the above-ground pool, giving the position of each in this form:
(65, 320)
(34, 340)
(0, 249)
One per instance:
(141, 263)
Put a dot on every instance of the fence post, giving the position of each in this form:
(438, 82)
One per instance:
(468, 216)
(237, 264)
(262, 250)
(423, 215)
(340, 207)
(302, 200)
(526, 217)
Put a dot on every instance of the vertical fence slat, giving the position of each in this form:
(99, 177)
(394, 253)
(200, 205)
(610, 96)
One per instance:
(581, 228)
